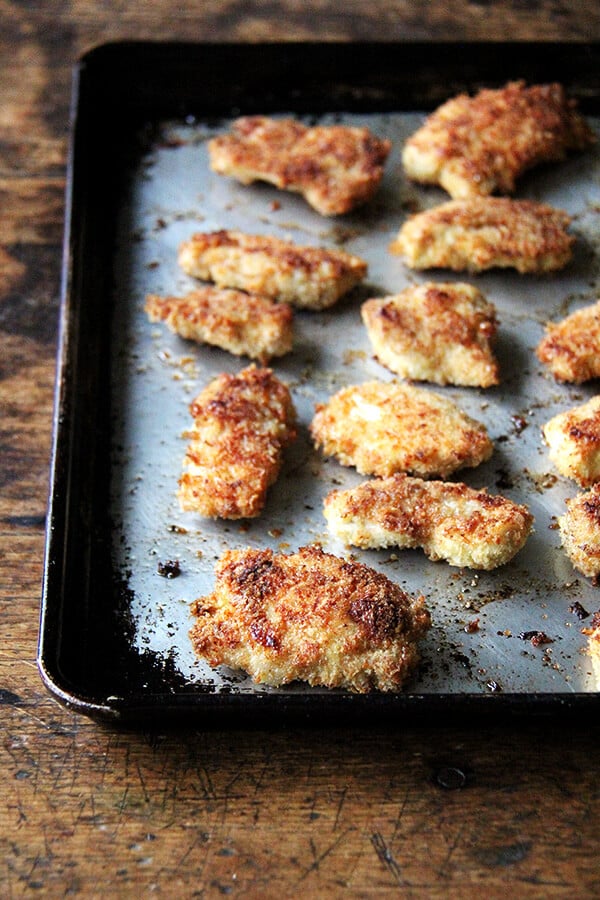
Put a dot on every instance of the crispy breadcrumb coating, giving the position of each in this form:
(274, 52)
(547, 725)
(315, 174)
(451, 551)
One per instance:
(334, 167)
(241, 425)
(448, 520)
(382, 428)
(573, 438)
(474, 146)
(309, 616)
(243, 324)
(307, 277)
(438, 332)
(484, 233)
(571, 347)
(580, 531)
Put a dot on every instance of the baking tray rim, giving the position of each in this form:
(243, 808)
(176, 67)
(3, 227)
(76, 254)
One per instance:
(137, 705)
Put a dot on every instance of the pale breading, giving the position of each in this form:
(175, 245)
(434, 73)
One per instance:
(334, 167)
(307, 277)
(447, 520)
(382, 428)
(438, 332)
(309, 616)
(480, 145)
(484, 233)
(580, 531)
(242, 423)
(573, 438)
(571, 348)
(243, 324)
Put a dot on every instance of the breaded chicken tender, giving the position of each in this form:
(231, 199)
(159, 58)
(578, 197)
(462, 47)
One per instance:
(580, 531)
(485, 233)
(309, 616)
(242, 423)
(574, 441)
(474, 146)
(435, 332)
(448, 520)
(334, 167)
(307, 277)
(382, 428)
(571, 347)
(242, 324)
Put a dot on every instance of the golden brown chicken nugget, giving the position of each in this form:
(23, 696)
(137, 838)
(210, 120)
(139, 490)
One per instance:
(580, 531)
(309, 616)
(242, 423)
(571, 347)
(474, 146)
(448, 520)
(243, 324)
(307, 277)
(438, 332)
(573, 438)
(334, 167)
(382, 428)
(484, 233)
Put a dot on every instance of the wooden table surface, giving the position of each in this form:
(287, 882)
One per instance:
(428, 810)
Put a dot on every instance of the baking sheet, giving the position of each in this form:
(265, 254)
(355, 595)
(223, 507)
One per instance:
(114, 633)
(474, 644)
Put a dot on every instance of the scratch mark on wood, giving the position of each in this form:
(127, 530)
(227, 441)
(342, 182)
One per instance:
(206, 785)
(338, 811)
(451, 849)
(399, 817)
(386, 857)
(318, 858)
(143, 784)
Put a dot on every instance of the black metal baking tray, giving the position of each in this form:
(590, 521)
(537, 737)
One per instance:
(112, 646)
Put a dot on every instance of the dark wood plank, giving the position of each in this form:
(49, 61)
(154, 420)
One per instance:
(423, 810)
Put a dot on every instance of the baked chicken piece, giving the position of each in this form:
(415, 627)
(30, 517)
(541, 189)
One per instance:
(580, 531)
(242, 423)
(484, 233)
(382, 428)
(334, 167)
(448, 520)
(307, 277)
(242, 324)
(574, 441)
(309, 616)
(474, 146)
(435, 332)
(571, 348)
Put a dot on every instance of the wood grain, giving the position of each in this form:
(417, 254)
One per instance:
(419, 810)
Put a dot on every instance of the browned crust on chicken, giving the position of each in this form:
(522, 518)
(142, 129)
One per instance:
(573, 438)
(309, 616)
(382, 428)
(241, 425)
(448, 520)
(307, 277)
(484, 233)
(580, 531)
(435, 332)
(474, 146)
(571, 347)
(334, 167)
(243, 324)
